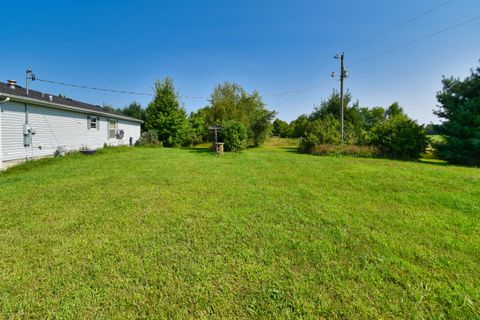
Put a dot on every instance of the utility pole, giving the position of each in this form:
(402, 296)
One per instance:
(343, 75)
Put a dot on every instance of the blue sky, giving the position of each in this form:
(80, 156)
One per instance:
(269, 46)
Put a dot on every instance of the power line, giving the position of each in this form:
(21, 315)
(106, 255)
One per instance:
(288, 92)
(415, 41)
(292, 91)
(109, 90)
(94, 88)
(395, 27)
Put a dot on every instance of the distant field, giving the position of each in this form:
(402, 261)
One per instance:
(267, 233)
(437, 138)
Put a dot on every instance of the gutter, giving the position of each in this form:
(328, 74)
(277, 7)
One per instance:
(65, 107)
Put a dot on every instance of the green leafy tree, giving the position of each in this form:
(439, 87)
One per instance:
(230, 101)
(198, 126)
(280, 128)
(108, 107)
(431, 129)
(373, 116)
(135, 110)
(394, 110)
(331, 106)
(400, 137)
(460, 108)
(165, 115)
(353, 117)
(298, 127)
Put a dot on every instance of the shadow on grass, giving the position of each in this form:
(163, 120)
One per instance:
(52, 160)
(202, 150)
(290, 149)
(39, 163)
(433, 162)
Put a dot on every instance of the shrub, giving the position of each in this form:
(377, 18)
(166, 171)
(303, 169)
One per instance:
(234, 135)
(320, 131)
(149, 139)
(346, 150)
(400, 137)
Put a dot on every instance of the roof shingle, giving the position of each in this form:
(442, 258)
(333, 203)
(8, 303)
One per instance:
(45, 97)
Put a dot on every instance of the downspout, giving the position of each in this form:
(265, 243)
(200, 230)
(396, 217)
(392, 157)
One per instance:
(1, 147)
(28, 76)
(26, 122)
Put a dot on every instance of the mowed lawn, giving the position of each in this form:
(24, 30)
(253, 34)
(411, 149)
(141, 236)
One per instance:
(267, 233)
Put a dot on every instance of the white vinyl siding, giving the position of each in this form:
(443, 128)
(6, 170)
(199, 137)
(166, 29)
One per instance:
(13, 118)
(56, 128)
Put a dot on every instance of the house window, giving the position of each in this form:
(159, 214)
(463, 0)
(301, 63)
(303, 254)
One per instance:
(112, 129)
(93, 122)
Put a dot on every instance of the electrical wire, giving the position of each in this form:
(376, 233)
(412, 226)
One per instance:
(293, 90)
(93, 88)
(288, 92)
(109, 90)
(395, 27)
(360, 44)
(415, 41)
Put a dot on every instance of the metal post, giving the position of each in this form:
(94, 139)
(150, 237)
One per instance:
(28, 76)
(26, 79)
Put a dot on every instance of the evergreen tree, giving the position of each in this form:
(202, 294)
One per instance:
(165, 115)
(460, 108)
(135, 110)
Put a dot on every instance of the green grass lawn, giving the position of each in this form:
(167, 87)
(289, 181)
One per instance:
(267, 233)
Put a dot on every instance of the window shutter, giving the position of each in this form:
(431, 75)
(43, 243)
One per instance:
(98, 123)
(88, 122)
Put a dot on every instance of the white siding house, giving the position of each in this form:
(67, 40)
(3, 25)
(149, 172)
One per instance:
(58, 123)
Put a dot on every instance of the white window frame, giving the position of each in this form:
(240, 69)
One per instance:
(93, 122)
(109, 131)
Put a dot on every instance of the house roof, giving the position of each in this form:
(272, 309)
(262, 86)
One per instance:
(33, 96)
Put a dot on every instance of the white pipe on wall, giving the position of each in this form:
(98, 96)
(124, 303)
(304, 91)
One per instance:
(1, 150)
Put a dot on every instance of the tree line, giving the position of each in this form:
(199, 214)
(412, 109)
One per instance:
(245, 120)
(376, 131)
(383, 131)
